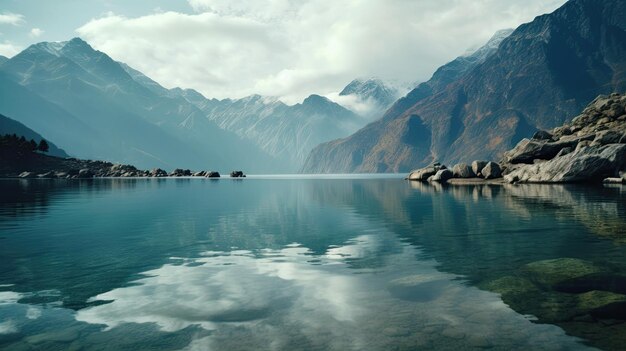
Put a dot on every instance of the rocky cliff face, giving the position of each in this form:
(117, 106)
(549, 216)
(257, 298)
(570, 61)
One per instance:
(541, 74)
(590, 148)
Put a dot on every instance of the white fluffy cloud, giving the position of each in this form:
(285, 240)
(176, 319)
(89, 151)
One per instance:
(36, 32)
(290, 49)
(11, 18)
(9, 49)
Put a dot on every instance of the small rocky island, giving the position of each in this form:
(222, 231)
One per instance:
(592, 148)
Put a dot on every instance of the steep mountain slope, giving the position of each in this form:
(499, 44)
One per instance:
(9, 126)
(136, 124)
(286, 133)
(368, 97)
(3, 59)
(540, 75)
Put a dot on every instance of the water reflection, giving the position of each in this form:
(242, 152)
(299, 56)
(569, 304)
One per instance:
(293, 264)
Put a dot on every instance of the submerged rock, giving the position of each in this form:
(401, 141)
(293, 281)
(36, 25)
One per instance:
(552, 272)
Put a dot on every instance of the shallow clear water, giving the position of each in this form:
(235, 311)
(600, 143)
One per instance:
(303, 263)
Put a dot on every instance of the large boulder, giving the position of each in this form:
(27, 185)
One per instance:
(478, 166)
(237, 174)
(526, 151)
(213, 174)
(424, 173)
(491, 170)
(442, 176)
(591, 163)
(463, 170)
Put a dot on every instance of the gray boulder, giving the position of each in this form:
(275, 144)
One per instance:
(592, 163)
(608, 137)
(491, 171)
(424, 173)
(46, 175)
(157, 172)
(526, 151)
(478, 166)
(213, 174)
(442, 176)
(463, 170)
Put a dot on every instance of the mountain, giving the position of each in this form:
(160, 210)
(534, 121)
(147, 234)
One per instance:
(286, 133)
(122, 119)
(3, 59)
(9, 126)
(371, 88)
(539, 76)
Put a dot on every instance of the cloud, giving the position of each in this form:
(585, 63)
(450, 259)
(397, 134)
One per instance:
(9, 49)
(11, 18)
(35, 32)
(290, 49)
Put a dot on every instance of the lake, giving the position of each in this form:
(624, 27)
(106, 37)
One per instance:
(310, 263)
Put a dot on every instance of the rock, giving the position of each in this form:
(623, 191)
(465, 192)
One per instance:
(542, 135)
(85, 173)
(607, 137)
(552, 272)
(47, 175)
(187, 173)
(593, 163)
(178, 172)
(237, 174)
(424, 173)
(199, 174)
(491, 170)
(603, 304)
(213, 174)
(463, 170)
(27, 175)
(157, 172)
(564, 151)
(528, 150)
(477, 166)
(613, 180)
(442, 176)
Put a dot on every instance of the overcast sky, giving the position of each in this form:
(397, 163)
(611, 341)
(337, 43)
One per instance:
(283, 48)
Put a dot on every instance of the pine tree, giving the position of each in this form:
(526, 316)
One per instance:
(43, 146)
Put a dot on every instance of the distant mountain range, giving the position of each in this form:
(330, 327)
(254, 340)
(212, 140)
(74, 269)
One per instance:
(95, 107)
(9, 126)
(478, 106)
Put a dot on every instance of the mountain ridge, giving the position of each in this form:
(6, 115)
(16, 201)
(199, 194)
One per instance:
(528, 83)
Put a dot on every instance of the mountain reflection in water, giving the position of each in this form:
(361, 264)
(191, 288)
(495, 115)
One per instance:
(300, 264)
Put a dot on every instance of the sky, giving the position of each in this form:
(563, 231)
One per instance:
(283, 48)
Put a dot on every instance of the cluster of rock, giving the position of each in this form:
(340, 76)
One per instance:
(82, 169)
(592, 148)
(440, 173)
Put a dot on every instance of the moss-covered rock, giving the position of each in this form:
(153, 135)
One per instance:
(552, 272)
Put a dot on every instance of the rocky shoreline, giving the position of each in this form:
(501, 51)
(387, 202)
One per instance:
(590, 149)
(39, 166)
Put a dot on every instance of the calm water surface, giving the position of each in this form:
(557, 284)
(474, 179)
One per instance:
(304, 263)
